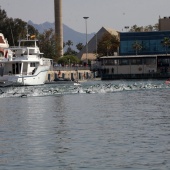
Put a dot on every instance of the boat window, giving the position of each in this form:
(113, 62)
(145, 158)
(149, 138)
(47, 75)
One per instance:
(32, 64)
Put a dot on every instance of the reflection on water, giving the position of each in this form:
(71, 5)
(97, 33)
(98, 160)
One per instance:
(124, 129)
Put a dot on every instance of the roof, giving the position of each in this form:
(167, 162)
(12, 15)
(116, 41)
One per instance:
(2, 40)
(111, 31)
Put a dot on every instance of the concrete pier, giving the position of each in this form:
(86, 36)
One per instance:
(79, 75)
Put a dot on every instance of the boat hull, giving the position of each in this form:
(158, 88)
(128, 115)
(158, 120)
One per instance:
(38, 78)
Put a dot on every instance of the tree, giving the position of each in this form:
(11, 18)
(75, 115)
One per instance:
(156, 27)
(148, 28)
(136, 46)
(18, 28)
(135, 28)
(10, 27)
(79, 46)
(3, 16)
(48, 43)
(108, 45)
(166, 43)
(69, 43)
(68, 59)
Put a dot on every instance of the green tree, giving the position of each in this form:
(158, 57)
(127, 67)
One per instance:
(135, 28)
(69, 43)
(108, 45)
(3, 16)
(79, 46)
(156, 27)
(166, 43)
(48, 43)
(14, 29)
(137, 47)
(68, 59)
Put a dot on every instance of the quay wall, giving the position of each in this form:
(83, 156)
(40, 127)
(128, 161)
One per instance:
(69, 74)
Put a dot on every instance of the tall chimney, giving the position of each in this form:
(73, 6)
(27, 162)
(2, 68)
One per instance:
(58, 23)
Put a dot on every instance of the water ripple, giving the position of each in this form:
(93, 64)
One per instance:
(85, 88)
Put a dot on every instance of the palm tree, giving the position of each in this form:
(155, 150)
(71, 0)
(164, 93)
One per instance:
(69, 43)
(79, 46)
(136, 46)
(166, 43)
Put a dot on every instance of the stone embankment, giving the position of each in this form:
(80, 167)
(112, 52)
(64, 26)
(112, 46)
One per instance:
(73, 73)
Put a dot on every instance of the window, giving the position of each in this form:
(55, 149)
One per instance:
(32, 64)
(123, 62)
(149, 61)
(137, 61)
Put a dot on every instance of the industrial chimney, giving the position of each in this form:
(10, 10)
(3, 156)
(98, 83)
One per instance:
(58, 23)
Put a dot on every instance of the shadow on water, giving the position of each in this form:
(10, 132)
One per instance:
(91, 87)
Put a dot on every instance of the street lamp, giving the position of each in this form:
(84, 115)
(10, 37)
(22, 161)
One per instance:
(96, 44)
(86, 40)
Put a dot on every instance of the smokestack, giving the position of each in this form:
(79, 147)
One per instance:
(58, 23)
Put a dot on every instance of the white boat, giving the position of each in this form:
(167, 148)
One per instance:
(3, 44)
(24, 65)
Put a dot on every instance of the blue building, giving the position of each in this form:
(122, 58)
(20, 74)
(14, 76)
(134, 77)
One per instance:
(150, 42)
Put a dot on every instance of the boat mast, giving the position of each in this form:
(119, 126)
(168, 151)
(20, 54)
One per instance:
(27, 32)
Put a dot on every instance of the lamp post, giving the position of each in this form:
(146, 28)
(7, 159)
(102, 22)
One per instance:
(86, 40)
(96, 44)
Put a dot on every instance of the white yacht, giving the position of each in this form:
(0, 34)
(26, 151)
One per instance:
(3, 44)
(24, 65)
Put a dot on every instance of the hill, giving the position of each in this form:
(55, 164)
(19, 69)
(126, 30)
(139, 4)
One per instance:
(68, 33)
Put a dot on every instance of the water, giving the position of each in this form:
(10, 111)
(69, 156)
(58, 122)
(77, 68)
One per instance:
(102, 125)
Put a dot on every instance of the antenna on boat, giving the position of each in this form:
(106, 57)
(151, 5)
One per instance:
(27, 32)
(12, 34)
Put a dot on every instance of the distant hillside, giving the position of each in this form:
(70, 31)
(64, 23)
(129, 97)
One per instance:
(68, 33)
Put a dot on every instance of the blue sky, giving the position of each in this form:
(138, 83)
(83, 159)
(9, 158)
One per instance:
(108, 13)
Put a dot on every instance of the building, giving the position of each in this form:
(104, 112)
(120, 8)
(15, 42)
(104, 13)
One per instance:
(164, 24)
(135, 67)
(92, 44)
(150, 42)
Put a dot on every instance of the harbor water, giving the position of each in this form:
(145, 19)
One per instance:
(111, 125)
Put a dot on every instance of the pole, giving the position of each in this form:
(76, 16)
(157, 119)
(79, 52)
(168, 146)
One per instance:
(86, 40)
(58, 24)
(96, 44)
